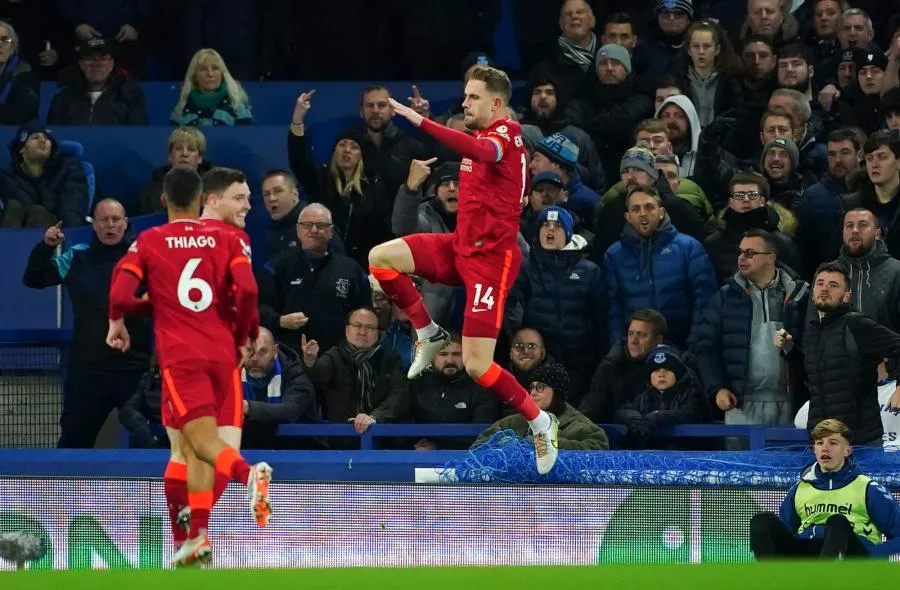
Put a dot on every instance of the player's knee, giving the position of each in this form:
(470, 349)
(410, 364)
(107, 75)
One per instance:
(476, 367)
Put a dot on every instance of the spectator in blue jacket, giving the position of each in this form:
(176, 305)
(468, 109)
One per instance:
(41, 187)
(562, 295)
(834, 511)
(655, 266)
(748, 380)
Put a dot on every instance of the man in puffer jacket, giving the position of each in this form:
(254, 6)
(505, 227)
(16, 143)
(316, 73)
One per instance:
(655, 266)
(563, 296)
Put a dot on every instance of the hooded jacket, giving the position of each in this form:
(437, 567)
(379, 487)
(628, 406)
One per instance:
(669, 272)
(723, 346)
(875, 284)
(722, 245)
(881, 506)
(680, 404)
(86, 272)
(120, 103)
(686, 157)
(62, 187)
(841, 352)
(867, 198)
(562, 296)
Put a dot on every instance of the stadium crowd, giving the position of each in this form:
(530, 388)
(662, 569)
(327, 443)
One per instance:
(710, 231)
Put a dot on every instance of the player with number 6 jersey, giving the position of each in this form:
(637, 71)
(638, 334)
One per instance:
(482, 253)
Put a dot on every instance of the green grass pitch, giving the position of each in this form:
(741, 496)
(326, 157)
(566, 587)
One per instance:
(766, 576)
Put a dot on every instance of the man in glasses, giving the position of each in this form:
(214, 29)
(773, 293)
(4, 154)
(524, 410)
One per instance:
(99, 93)
(748, 209)
(526, 354)
(310, 290)
(745, 378)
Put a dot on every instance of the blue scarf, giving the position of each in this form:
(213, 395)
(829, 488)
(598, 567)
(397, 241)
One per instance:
(272, 385)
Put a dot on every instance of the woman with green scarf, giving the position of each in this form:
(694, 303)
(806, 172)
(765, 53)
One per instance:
(210, 96)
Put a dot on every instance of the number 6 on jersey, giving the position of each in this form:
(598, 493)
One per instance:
(187, 282)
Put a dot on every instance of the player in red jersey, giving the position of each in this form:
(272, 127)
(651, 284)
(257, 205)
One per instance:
(481, 254)
(200, 319)
(226, 202)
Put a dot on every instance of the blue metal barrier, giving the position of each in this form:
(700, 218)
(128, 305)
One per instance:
(759, 437)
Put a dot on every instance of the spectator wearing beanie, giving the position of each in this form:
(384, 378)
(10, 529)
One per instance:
(40, 186)
(638, 166)
(890, 109)
(548, 188)
(549, 389)
(859, 105)
(666, 35)
(780, 161)
(613, 107)
(563, 296)
(673, 396)
(559, 154)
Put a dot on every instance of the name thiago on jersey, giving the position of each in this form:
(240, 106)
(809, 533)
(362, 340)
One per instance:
(190, 242)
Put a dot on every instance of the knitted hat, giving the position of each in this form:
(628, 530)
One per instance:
(554, 375)
(666, 357)
(640, 159)
(443, 173)
(560, 216)
(547, 176)
(22, 135)
(787, 145)
(353, 133)
(852, 54)
(686, 6)
(532, 135)
(560, 149)
(870, 58)
(616, 52)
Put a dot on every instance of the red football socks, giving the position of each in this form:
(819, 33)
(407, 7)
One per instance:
(504, 386)
(402, 291)
(230, 464)
(221, 482)
(175, 488)
(201, 505)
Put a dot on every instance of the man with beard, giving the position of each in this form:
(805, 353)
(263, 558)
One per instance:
(545, 112)
(841, 350)
(446, 394)
(527, 353)
(780, 160)
(435, 214)
(818, 214)
(386, 149)
(682, 128)
(875, 275)
(743, 374)
(880, 188)
(795, 68)
(276, 391)
(622, 375)
(758, 81)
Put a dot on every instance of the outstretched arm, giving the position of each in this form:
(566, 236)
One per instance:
(487, 149)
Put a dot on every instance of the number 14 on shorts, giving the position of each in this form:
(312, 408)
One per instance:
(484, 298)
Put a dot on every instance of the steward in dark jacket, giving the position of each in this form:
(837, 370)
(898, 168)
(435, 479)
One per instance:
(841, 352)
(563, 296)
(325, 289)
(120, 103)
(20, 92)
(52, 181)
(725, 336)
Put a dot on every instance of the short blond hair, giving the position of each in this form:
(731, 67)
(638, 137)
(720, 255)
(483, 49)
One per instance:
(829, 427)
(190, 136)
(496, 81)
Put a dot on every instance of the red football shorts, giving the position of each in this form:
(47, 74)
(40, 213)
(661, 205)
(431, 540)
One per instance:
(486, 276)
(198, 389)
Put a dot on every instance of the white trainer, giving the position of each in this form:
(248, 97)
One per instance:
(258, 490)
(546, 446)
(196, 551)
(425, 351)
(184, 518)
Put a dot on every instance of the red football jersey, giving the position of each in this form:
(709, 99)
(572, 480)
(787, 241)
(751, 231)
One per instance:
(241, 235)
(490, 193)
(187, 267)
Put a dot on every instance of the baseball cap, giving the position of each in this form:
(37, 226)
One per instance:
(547, 176)
(95, 46)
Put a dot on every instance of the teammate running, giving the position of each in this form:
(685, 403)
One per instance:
(199, 280)
(481, 254)
(226, 202)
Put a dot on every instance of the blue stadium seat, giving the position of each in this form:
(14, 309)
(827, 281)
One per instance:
(75, 150)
